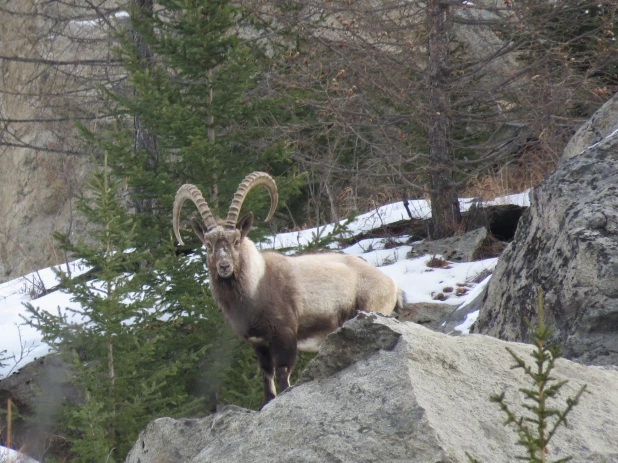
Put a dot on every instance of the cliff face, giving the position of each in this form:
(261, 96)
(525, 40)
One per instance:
(45, 85)
(35, 200)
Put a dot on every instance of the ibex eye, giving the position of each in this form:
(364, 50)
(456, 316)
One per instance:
(208, 248)
(237, 243)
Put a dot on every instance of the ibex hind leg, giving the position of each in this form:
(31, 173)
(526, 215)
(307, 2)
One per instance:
(265, 360)
(284, 349)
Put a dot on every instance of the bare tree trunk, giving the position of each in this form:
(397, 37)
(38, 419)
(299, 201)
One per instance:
(214, 187)
(144, 138)
(446, 216)
(110, 363)
(211, 119)
(334, 214)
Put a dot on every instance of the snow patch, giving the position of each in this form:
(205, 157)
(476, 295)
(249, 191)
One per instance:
(468, 322)
(13, 456)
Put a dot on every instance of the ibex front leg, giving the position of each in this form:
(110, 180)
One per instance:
(265, 360)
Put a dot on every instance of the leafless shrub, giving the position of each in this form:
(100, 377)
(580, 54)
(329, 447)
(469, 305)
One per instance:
(16, 359)
(480, 276)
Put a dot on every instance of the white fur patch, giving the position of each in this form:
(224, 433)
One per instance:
(255, 340)
(271, 381)
(310, 344)
(256, 267)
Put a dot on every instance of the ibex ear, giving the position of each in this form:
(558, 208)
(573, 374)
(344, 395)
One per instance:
(244, 224)
(198, 228)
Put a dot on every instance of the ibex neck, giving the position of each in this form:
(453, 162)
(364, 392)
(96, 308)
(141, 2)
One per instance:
(252, 267)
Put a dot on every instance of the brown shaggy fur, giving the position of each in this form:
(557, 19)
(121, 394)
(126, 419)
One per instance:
(282, 304)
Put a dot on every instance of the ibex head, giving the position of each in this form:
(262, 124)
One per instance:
(223, 239)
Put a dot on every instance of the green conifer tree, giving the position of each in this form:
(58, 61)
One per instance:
(152, 342)
(201, 92)
(133, 355)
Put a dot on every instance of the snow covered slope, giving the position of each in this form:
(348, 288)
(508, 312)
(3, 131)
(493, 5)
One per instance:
(421, 283)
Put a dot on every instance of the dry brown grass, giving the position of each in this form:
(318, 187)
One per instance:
(527, 171)
(437, 262)
(440, 297)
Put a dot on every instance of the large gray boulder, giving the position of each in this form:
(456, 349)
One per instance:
(385, 391)
(600, 125)
(567, 245)
(462, 248)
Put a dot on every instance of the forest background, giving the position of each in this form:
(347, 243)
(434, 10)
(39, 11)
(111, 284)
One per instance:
(348, 104)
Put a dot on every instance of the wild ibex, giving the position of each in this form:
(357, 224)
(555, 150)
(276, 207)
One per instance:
(280, 303)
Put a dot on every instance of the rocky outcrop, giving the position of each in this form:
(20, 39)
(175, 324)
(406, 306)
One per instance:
(461, 248)
(567, 245)
(385, 391)
(37, 392)
(460, 320)
(429, 314)
(36, 194)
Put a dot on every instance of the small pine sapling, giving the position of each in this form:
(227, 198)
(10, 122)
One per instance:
(321, 240)
(537, 428)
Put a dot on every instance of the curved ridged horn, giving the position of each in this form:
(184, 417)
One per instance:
(252, 180)
(191, 192)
